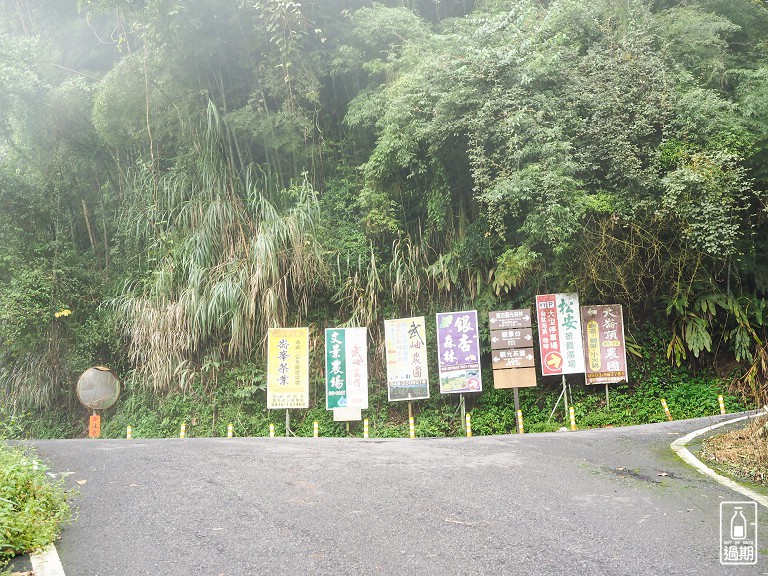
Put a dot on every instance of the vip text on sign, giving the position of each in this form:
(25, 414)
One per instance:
(458, 352)
(287, 368)
(406, 345)
(560, 341)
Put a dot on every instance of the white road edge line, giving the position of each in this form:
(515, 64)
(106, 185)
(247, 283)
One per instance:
(679, 448)
(46, 562)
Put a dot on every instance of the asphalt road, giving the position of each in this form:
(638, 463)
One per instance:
(602, 502)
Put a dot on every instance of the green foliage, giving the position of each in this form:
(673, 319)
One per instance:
(32, 508)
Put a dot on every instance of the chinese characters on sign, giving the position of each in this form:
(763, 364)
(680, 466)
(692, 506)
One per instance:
(288, 368)
(560, 340)
(458, 352)
(512, 349)
(738, 533)
(346, 368)
(406, 345)
(604, 341)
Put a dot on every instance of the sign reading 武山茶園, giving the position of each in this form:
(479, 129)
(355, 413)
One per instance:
(406, 350)
(606, 352)
(287, 368)
(560, 340)
(458, 352)
(346, 368)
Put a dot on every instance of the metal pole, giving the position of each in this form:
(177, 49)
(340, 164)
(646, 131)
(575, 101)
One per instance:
(287, 423)
(607, 399)
(565, 397)
(463, 413)
(517, 404)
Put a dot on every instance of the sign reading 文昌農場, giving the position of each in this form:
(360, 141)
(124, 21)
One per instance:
(406, 346)
(560, 341)
(346, 368)
(458, 352)
(606, 352)
(287, 368)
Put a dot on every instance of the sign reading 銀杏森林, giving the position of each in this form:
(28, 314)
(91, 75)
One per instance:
(287, 368)
(406, 345)
(604, 341)
(458, 352)
(346, 368)
(560, 341)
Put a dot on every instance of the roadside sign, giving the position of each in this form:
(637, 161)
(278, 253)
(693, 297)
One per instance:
(511, 338)
(347, 414)
(406, 354)
(287, 368)
(560, 339)
(512, 355)
(458, 352)
(515, 358)
(346, 368)
(606, 353)
(504, 319)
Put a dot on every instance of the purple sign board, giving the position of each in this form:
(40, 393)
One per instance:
(458, 352)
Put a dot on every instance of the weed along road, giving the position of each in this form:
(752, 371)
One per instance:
(602, 502)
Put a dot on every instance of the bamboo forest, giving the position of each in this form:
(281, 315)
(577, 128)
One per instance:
(177, 177)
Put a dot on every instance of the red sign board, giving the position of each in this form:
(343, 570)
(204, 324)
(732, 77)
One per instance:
(94, 426)
(560, 338)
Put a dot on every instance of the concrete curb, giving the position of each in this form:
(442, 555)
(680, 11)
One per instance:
(46, 562)
(679, 447)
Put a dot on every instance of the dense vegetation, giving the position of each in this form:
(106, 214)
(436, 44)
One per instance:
(176, 177)
(32, 508)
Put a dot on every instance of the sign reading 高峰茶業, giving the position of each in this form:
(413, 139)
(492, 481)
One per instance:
(458, 352)
(346, 368)
(606, 353)
(560, 341)
(406, 347)
(287, 368)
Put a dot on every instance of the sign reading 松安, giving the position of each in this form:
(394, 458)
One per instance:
(458, 352)
(560, 339)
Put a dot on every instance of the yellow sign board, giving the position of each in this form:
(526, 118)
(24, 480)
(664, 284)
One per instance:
(287, 368)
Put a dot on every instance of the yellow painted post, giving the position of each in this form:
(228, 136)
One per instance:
(271, 430)
(315, 429)
(666, 409)
(412, 427)
(365, 428)
(183, 431)
(469, 426)
(230, 431)
(722, 404)
(129, 433)
(573, 418)
(520, 428)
